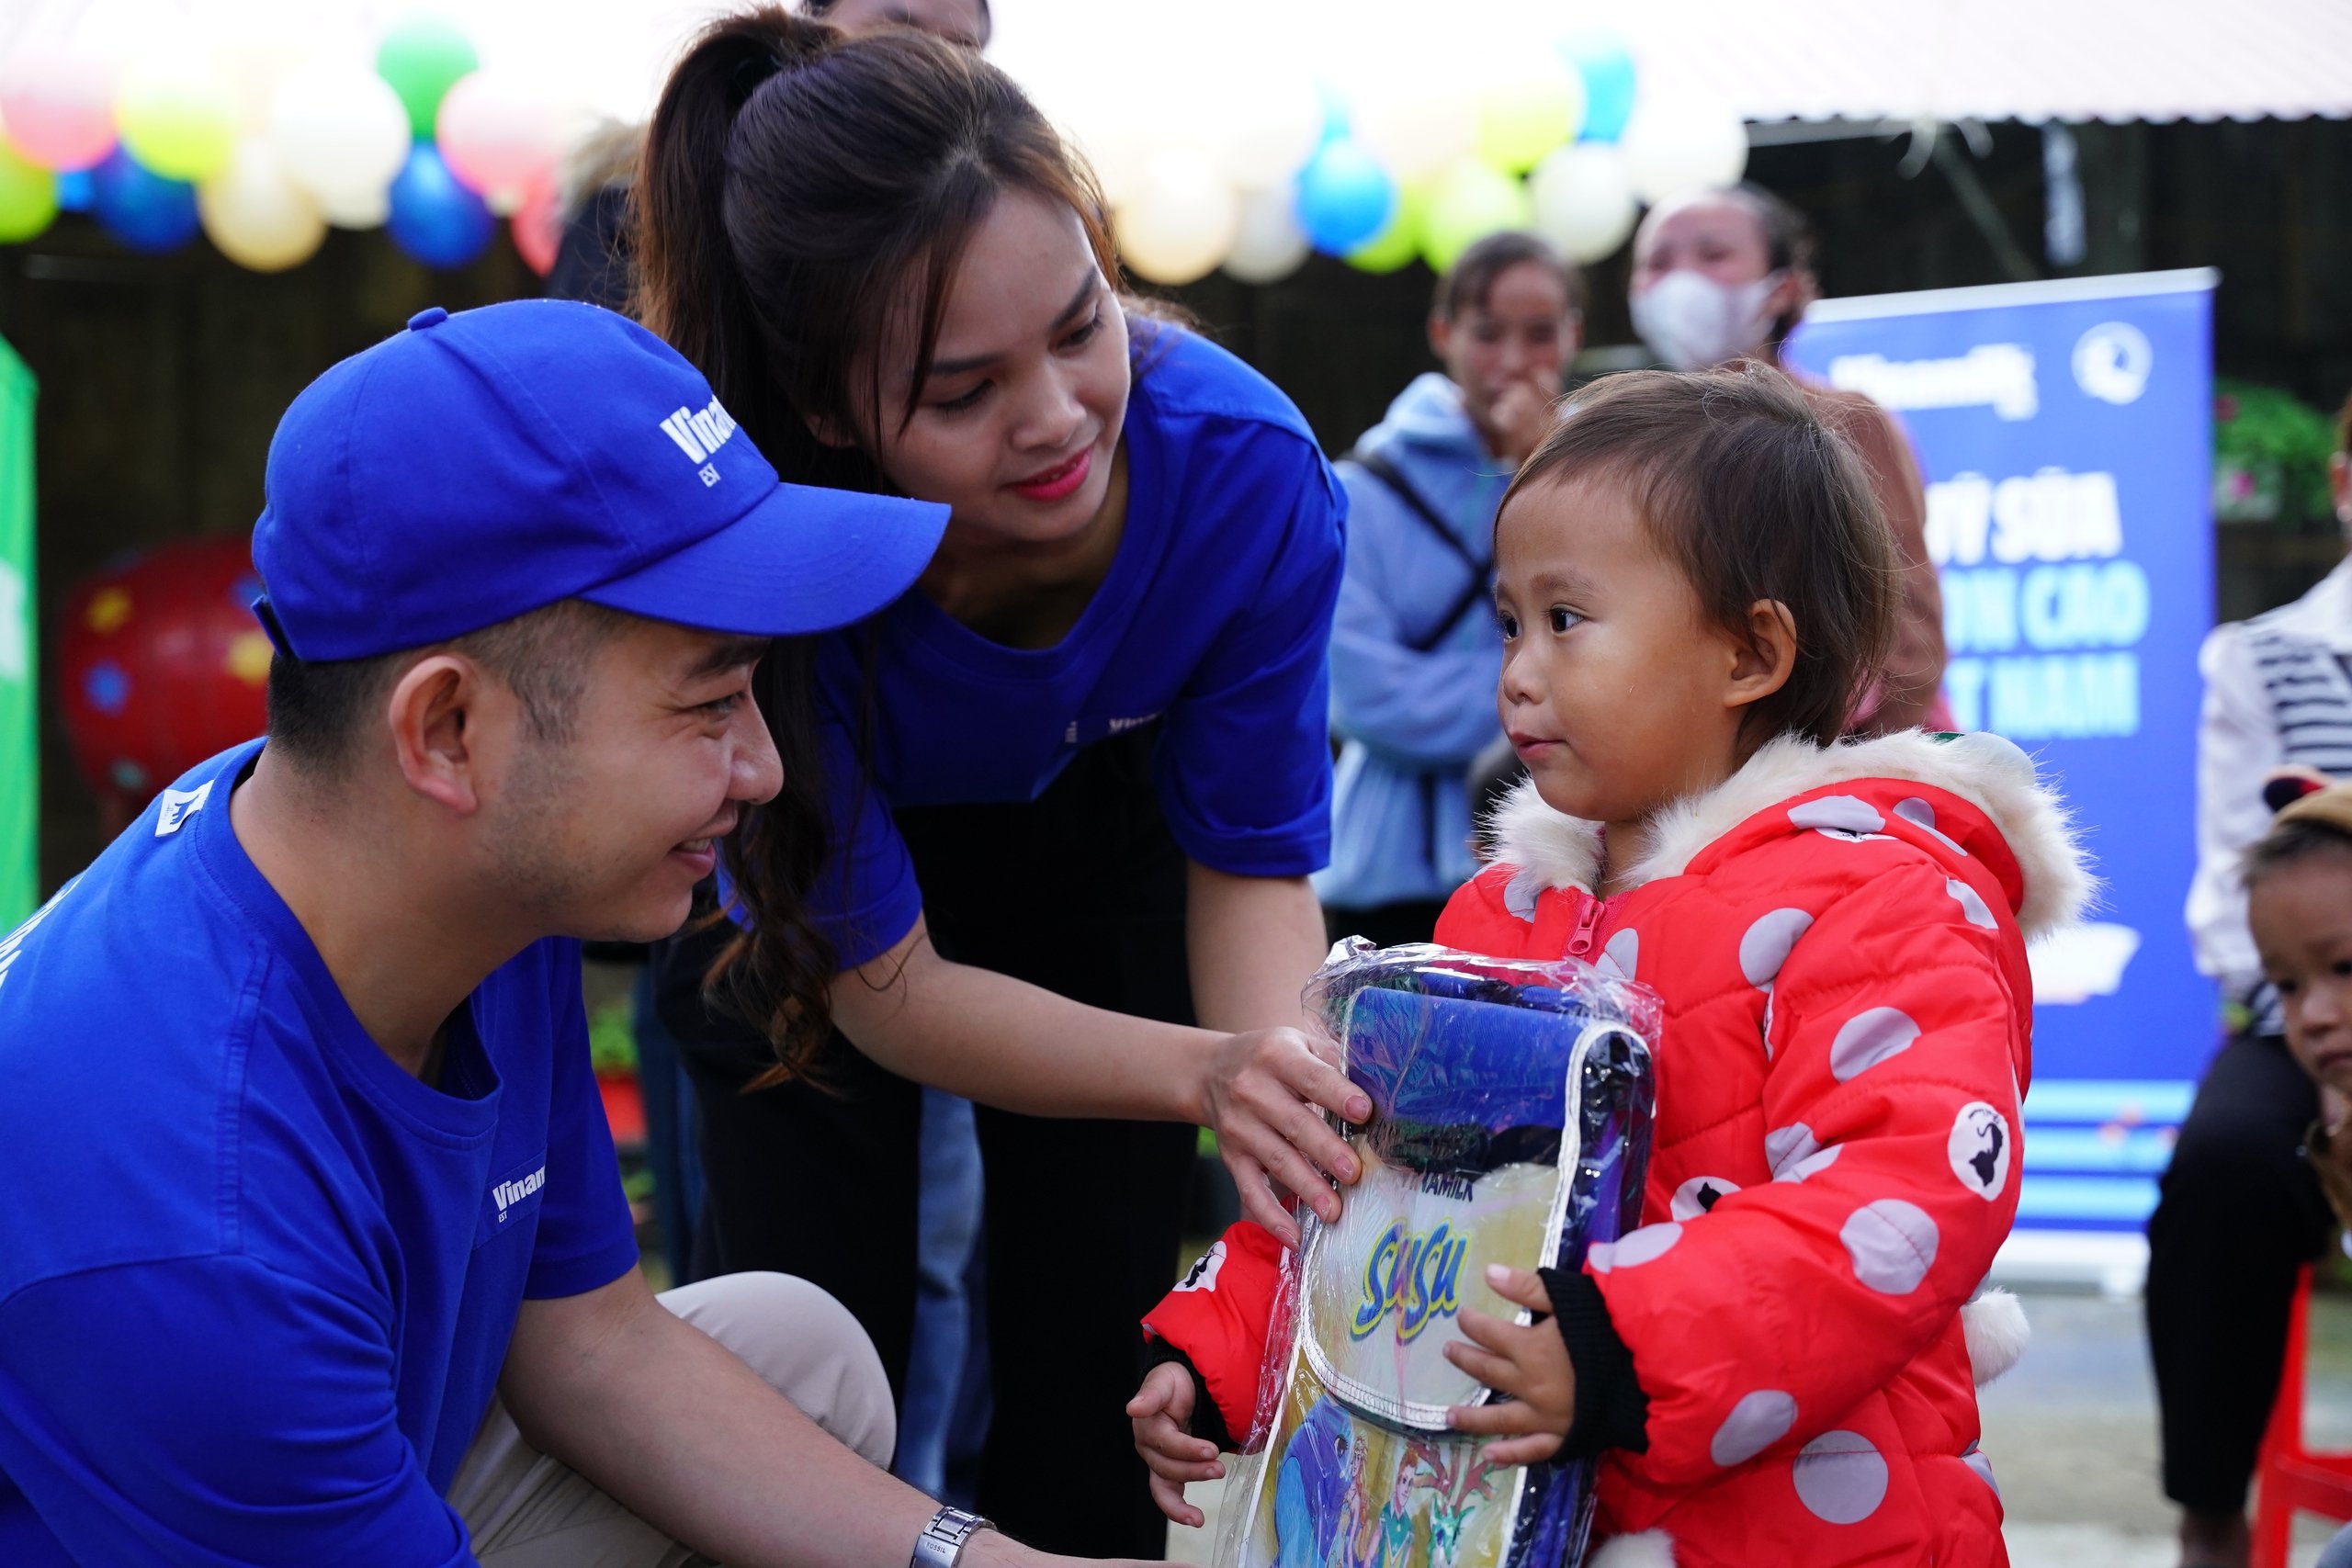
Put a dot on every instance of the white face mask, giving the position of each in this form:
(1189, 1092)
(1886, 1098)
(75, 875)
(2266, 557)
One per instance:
(1692, 322)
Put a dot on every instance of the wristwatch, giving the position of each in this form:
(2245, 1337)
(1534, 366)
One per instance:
(942, 1541)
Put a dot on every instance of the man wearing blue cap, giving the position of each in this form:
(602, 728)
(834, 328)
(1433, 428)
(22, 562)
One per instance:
(313, 1248)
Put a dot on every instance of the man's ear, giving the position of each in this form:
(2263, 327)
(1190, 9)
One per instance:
(430, 716)
(1441, 336)
(1761, 661)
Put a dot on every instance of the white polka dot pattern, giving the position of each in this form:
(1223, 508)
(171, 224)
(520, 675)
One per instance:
(1922, 815)
(1979, 1148)
(1520, 893)
(1755, 1424)
(1785, 1146)
(1892, 1245)
(1636, 1247)
(1971, 904)
(1869, 1038)
(1620, 953)
(1700, 1194)
(1843, 813)
(1811, 1166)
(1766, 944)
(1840, 1478)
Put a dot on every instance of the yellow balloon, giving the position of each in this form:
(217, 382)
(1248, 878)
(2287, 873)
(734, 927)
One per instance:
(1527, 115)
(1182, 221)
(178, 115)
(1399, 244)
(27, 196)
(256, 214)
(1469, 202)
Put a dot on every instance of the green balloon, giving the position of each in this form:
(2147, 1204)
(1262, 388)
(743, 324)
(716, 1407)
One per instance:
(1399, 244)
(422, 57)
(27, 196)
(1470, 201)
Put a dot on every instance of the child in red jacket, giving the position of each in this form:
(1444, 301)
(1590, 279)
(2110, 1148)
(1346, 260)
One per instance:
(1694, 585)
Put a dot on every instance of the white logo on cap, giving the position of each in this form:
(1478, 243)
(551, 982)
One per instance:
(700, 434)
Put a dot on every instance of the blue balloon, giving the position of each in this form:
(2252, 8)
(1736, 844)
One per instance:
(1601, 57)
(433, 218)
(1344, 196)
(74, 190)
(1335, 111)
(140, 208)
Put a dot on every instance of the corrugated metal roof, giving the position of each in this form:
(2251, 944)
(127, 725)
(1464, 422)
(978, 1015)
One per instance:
(2029, 59)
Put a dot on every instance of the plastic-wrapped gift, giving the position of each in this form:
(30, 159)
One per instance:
(1510, 1124)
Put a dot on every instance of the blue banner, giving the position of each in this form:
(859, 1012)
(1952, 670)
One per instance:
(2063, 430)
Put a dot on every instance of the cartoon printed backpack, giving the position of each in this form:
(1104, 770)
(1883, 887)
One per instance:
(1511, 1105)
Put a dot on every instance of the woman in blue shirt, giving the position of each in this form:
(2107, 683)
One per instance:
(1083, 762)
(1414, 655)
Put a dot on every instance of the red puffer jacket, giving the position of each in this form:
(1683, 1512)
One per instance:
(1839, 937)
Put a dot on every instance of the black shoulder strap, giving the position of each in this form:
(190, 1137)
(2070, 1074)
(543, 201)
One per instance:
(1473, 592)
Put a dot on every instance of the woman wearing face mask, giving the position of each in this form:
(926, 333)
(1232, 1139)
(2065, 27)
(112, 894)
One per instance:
(1083, 762)
(1414, 657)
(1726, 274)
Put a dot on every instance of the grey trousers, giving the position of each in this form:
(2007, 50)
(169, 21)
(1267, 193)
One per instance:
(523, 1509)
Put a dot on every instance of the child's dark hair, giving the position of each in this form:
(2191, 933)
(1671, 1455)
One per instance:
(1745, 489)
(1466, 285)
(2287, 842)
(2313, 816)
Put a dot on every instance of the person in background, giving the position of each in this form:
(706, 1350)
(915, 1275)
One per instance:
(1414, 657)
(2239, 1211)
(1724, 274)
(2298, 884)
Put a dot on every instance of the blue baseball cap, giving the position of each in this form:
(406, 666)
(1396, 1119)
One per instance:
(480, 466)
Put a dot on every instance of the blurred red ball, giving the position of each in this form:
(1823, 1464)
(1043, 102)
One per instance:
(161, 663)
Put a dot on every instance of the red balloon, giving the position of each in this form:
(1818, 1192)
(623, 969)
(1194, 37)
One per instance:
(161, 664)
(538, 232)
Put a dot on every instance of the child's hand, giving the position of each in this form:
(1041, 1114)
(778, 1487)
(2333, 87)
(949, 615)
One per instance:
(1531, 1364)
(1174, 1456)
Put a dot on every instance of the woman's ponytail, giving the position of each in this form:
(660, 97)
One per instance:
(691, 288)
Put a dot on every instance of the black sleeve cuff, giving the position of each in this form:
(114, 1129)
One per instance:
(1207, 1420)
(1611, 1410)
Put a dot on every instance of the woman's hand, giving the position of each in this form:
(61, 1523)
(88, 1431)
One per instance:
(1159, 1411)
(1263, 1096)
(1531, 1364)
(1523, 417)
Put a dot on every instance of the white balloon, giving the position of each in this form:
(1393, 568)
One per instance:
(365, 209)
(255, 214)
(342, 135)
(1583, 202)
(1182, 221)
(1679, 144)
(1262, 124)
(1417, 125)
(1270, 245)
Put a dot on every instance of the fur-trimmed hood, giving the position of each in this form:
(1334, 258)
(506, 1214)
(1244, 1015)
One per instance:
(1989, 773)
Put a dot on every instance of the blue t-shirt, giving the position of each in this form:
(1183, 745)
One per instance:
(1213, 620)
(256, 1283)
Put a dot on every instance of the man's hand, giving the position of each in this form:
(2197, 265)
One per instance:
(1263, 1095)
(1531, 1364)
(1523, 417)
(1159, 1410)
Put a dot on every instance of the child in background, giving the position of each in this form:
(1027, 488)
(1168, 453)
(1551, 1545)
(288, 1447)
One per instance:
(1694, 583)
(2298, 906)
